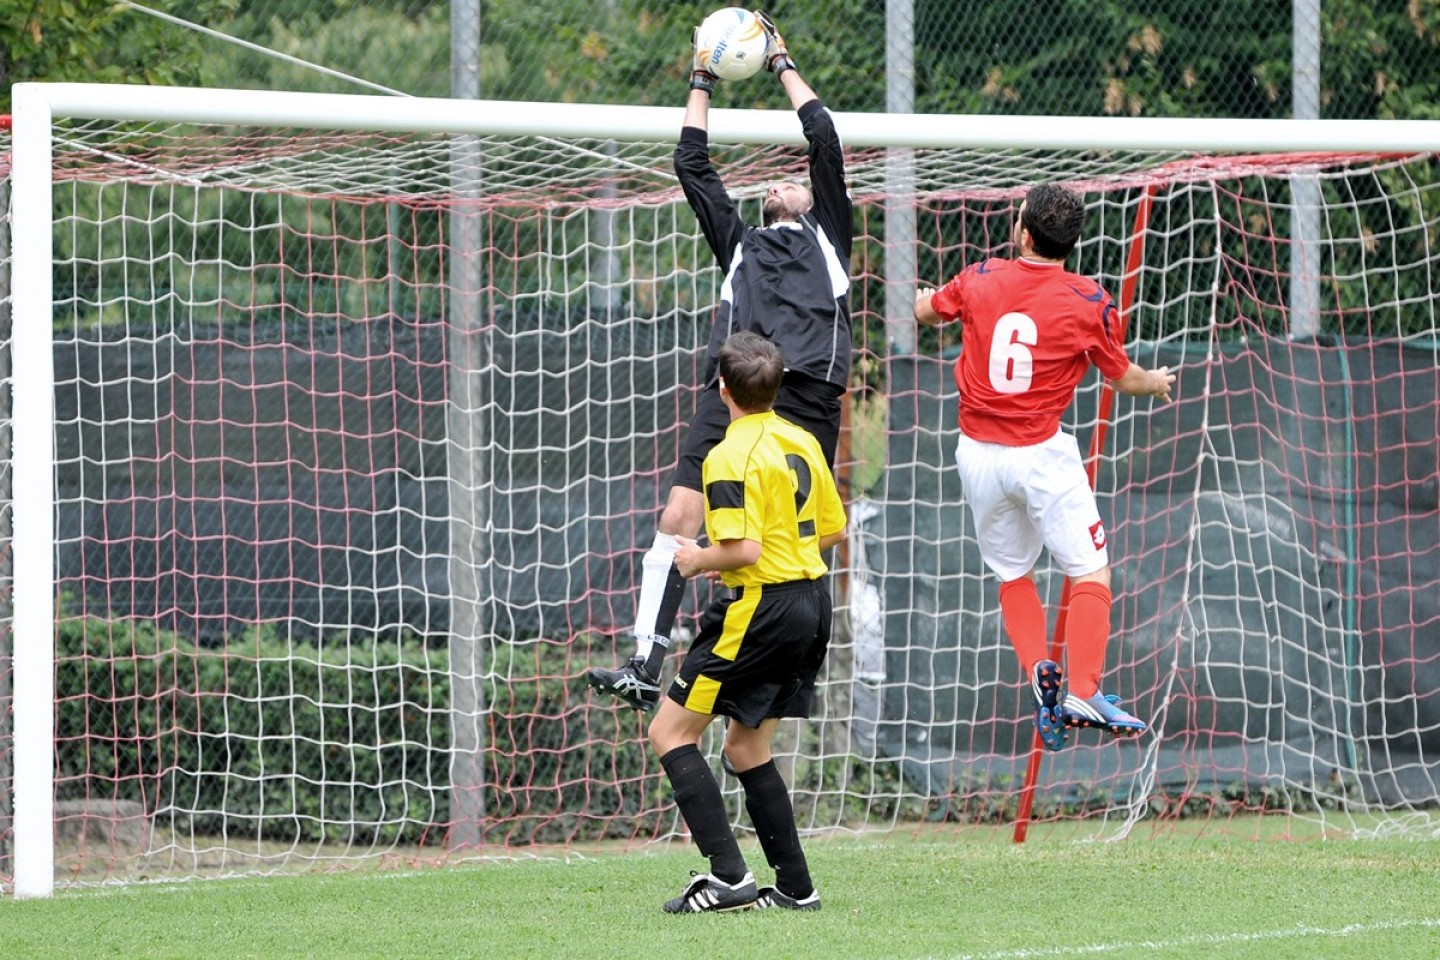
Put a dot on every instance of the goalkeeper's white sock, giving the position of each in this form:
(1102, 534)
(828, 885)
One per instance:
(654, 571)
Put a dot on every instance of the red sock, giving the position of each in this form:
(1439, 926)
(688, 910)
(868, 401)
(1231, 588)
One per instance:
(1087, 631)
(1024, 619)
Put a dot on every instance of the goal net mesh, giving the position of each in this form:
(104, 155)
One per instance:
(360, 439)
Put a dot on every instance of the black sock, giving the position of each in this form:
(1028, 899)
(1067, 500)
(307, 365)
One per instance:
(697, 794)
(767, 800)
(665, 620)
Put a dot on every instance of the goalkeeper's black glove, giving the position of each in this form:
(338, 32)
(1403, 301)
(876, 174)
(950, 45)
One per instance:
(700, 78)
(777, 57)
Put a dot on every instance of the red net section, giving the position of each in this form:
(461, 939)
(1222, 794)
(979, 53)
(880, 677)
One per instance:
(356, 467)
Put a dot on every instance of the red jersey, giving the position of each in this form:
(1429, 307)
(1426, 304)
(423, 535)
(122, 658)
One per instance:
(1029, 332)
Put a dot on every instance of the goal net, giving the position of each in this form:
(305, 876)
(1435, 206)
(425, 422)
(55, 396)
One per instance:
(362, 411)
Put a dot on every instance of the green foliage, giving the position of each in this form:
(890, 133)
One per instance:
(378, 43)
(1229, 800)
(348, 742)
(274, 253)
(1104, 57)
(97, 41)
(564, 766)
(869, 439)
(1378, 60)
(264, 737)
(852, 791)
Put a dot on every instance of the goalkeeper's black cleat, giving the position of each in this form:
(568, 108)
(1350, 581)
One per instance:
(630, 682)
(1102, 711)
(772, 897)
(1045, 679)
(707, 894)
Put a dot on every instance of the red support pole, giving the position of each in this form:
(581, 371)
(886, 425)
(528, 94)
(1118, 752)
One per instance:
(1092, 470)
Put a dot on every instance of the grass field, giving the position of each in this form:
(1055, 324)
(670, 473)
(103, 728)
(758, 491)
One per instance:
(918, 894)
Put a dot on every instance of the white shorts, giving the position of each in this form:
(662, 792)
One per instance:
(1026, 498)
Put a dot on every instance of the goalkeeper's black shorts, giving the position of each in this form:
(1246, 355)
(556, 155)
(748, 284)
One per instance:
(758, 653)
(804, 401)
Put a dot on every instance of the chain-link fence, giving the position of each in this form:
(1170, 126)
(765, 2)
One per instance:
(1352, 58)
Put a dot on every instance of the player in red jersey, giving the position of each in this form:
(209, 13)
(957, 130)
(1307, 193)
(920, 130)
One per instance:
(1030, 331)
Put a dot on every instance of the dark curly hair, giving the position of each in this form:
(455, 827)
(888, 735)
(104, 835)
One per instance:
(1053, 215)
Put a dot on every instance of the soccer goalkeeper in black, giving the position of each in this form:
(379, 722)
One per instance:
(787, 280)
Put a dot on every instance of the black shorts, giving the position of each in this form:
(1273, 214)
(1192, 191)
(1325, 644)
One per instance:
(758, 653)
(804, 401)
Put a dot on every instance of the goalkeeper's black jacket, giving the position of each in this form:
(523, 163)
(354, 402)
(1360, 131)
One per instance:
(789, 282)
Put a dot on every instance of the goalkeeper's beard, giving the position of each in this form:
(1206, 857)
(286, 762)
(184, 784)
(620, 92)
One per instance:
(775, 210)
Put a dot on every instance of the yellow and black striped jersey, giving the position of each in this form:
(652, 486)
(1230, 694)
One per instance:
(768, 481)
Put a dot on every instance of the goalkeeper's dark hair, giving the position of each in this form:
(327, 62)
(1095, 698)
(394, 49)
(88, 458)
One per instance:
(1053, 216)
(752, 368)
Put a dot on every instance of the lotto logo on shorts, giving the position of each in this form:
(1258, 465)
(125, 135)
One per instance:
(1097, 535)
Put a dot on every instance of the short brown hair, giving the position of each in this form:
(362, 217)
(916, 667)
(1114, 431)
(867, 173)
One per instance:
(752, 368)
(1054, 216)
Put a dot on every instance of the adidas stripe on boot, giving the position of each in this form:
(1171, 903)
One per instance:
(1102, 711)
(707, 894)
(772, 897)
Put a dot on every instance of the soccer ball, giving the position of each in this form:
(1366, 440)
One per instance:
(731, 44)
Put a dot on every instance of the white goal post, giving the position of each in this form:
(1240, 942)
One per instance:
(1146, 153)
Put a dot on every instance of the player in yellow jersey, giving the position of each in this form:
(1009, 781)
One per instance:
(771, 507)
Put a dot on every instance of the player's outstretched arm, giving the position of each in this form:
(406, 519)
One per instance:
(701, 79)
(1136, 381)
(799, 91)
(833, 209)
(779, 62)
(702, 88)
(697, 110)
(706, 194)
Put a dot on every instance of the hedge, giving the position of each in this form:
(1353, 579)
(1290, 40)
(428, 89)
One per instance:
(342, 740)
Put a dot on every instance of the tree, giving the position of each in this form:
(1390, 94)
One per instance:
(96, 41)
(1378, 60)
(1095, 57)
(376, 42)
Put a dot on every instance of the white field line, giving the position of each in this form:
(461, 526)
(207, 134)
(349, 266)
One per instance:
(1199, 940)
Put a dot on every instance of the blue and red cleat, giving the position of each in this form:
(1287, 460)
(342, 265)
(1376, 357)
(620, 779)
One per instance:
(1103, 712)
(1045, 679)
